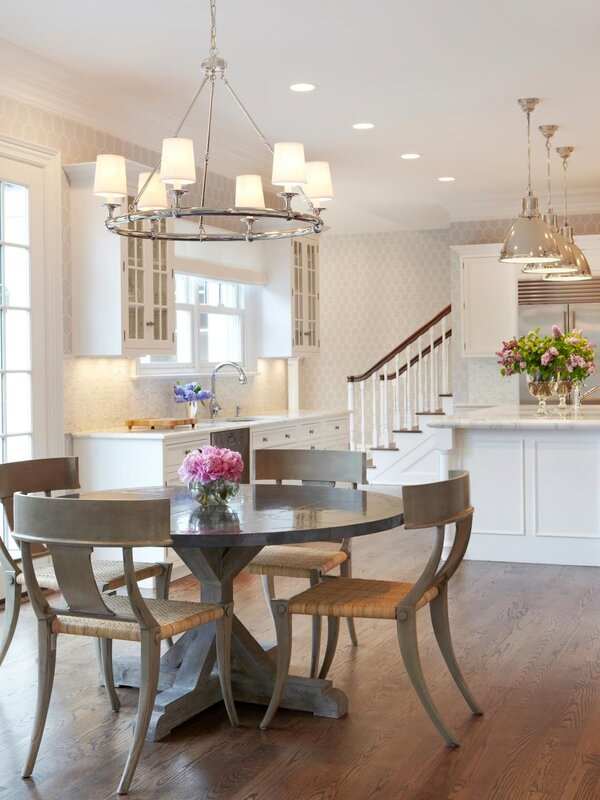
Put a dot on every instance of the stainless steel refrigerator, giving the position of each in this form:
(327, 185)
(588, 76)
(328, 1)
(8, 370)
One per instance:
(576, 305)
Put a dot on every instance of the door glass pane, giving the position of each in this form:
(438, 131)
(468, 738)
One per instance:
(16, 277)
(18, 348)
(17, 387)
(15, 213)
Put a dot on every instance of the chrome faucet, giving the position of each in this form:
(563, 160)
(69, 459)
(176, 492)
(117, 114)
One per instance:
(214, 403)
(578, 397)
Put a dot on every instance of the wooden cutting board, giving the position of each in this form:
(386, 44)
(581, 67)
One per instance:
(159, 422)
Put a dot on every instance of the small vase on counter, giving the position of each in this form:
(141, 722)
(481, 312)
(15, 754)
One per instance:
(191, 410)
(542, 391)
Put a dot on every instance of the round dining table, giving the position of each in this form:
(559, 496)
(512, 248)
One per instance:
(216, 544)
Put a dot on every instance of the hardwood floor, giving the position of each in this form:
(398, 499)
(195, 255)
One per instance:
(528, 638)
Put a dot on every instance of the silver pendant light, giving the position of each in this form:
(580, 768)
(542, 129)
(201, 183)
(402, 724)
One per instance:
(583, 271)
(530, 240)
(567, 261)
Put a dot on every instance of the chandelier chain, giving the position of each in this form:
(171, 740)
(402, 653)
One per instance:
(565, 188)
(529, 152)
(213, 28)
(548, 177)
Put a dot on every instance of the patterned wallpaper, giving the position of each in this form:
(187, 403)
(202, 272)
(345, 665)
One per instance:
(100, 392)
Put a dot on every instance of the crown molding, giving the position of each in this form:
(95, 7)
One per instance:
(36, 81)
(494, 207)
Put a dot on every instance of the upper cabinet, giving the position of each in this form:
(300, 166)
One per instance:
(488, 299)
(290, 300)
(123, 290)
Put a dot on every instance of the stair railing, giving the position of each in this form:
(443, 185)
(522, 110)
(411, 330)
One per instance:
(406, 382)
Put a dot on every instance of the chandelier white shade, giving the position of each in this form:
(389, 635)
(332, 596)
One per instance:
(318, 182)
(530, 240)
(152, 192)
(289, 166)
(249, 192)
(178, 166)
(110, 180)
(246, 217)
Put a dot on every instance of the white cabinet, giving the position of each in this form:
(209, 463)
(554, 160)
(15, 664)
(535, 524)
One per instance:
(290, 301)
(325, 434)
(488, 299)
(123, 290)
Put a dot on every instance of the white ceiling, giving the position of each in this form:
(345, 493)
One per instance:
(439, 77)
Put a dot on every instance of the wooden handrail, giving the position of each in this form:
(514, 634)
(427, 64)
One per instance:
(414, 360)
(402, 346)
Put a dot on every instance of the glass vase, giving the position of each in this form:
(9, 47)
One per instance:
(562, 389)
(542, 391)
(213, 493)
(191, 409)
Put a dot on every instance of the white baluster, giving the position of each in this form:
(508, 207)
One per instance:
(381, 418)
(436, 379)
(363, 444)
(408, 406)
(385, 389)
(420, 375)
(445, 389)
(405, 404)
(351, 414)
(396, 424)
(374, 409)
(432, 396)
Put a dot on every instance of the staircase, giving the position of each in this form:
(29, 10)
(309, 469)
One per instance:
(391, 404)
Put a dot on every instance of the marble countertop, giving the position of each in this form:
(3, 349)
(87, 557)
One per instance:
(255, 421)
(515, 416)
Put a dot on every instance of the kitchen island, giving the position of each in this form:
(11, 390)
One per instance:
(535, 481)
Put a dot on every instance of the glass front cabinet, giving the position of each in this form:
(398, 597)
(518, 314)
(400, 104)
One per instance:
(123, 290)
(305, 295)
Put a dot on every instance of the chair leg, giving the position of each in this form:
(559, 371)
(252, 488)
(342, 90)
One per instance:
(150, 663)
(105, 657)
(223, 640)
(315, 651)
(409, 648)
(46, 665)
(11, 613)
(283, 626)
(438, 609)
(163, 583)
(268, 585)
(346, 572)
(333, 632)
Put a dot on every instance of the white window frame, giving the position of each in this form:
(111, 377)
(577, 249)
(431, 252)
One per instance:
(249, 322)
(46, 297)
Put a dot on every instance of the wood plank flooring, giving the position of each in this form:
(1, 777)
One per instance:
(528, 638)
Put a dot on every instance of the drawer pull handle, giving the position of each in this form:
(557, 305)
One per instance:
(313, 447)
(287, 435)
(337, 427)
(186, 452)
(265, 438)
(311, 432)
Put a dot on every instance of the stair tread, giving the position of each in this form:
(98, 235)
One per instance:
(446, 395)
(383, 447)
(407, 430)
(438, 413)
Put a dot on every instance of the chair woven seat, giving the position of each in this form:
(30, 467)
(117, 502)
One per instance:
(173, 616)
(355, 597)
(109, 574)
(291, 561)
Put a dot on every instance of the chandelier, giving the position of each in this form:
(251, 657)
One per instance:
(175, 171)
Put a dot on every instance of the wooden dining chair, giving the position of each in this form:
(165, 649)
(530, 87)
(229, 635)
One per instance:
(69, 528)
(47, 475)
(313, 560)
(431, 505)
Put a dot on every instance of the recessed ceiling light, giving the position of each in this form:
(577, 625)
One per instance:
(410, 156)
(363, 126)
(446, 179)
(303, 87)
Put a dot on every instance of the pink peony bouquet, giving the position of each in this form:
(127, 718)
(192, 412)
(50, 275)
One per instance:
(211, 464)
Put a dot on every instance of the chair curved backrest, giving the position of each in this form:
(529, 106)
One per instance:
(70, 528)
(311, 466)
(427, 505)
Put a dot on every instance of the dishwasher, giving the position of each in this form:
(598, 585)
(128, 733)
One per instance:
(238, 440)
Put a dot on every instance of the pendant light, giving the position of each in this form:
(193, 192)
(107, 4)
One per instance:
(583, 271)
(567, 261)
(530, 240)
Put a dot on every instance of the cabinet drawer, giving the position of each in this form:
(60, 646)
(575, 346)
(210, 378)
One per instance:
(274, 437)
(310, 431)
(175, 453)
(337, 428)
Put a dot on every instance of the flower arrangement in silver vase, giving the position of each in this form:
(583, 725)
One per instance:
(212, 474)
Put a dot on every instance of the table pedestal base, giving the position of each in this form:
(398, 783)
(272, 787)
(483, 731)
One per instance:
(188, 683)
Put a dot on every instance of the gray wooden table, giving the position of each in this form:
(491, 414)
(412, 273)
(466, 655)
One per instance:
(216, 546)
